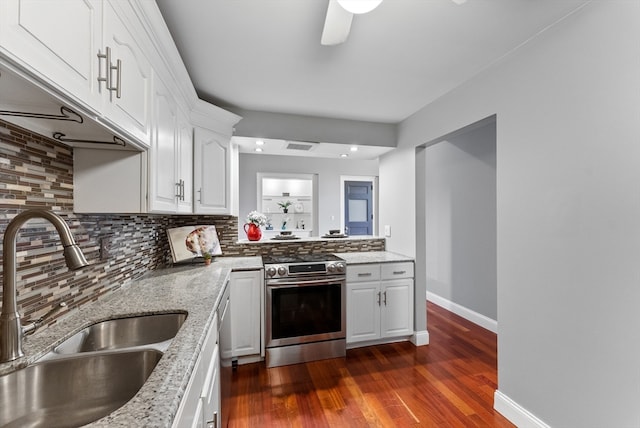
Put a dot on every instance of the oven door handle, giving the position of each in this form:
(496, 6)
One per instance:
(305, 282)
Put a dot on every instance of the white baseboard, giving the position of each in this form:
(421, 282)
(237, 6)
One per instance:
(420, 338)
(468, 314)
(516, 414)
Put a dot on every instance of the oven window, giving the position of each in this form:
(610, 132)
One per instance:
(304, 311)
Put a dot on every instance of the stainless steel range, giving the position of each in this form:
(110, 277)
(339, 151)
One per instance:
(305, 308)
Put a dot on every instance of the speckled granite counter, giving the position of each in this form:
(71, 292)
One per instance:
(373, 257)
(195, 289)
(265, 240)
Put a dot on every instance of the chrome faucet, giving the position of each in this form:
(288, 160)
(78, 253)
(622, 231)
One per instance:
(11, 331)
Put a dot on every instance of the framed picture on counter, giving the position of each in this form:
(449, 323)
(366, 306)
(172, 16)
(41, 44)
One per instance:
(188, 242)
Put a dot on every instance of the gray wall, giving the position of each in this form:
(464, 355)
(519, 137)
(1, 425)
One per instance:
(315, 129)
(460, 186)
(568, 212)
(328, 170)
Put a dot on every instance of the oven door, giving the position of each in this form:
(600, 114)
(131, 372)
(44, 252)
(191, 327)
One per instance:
(305, 310)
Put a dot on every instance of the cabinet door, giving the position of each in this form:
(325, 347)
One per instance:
(212, 173)
(56, 40)
(190, 412)
(363, 311)
(185, 165)
(211, 393)
(245, 314)
(128, 108)
(397, 307)
(162, 155)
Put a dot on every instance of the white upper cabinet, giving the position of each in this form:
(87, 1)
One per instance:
(163, 175)
(170, 156)
(88, 52)
(57, 41)
(215, 161)
(127, 86)
(212, 160)
(115, 62)
(184, 158)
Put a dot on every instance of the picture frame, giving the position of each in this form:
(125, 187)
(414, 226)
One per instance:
(189, 242)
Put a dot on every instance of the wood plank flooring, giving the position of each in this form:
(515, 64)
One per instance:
(448, 383)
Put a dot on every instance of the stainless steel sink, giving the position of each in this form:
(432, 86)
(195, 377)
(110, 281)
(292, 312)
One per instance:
(120, 333)
(73, 391)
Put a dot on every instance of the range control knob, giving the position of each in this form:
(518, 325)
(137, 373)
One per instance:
(341, 267)
(271, 271)
(282, 270)
(331, 268)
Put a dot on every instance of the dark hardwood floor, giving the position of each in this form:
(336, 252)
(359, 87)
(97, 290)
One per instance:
(449, 383)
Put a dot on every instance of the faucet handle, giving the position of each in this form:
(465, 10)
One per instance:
(32, 327)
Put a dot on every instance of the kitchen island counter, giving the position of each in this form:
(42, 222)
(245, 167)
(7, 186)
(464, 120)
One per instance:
(195, 289)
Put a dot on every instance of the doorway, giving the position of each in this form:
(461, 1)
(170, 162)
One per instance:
(358, 202)
(456, 208)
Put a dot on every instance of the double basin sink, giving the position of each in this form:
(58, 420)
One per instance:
(89, 375)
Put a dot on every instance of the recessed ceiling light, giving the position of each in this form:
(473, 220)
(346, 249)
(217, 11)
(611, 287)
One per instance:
(354, 148)
(258, 149)
(344, 155)
(259, 143)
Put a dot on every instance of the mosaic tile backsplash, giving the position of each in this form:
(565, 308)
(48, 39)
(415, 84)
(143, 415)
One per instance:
(37, 172)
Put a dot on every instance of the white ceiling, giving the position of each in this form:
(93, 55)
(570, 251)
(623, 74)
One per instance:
(265, 55)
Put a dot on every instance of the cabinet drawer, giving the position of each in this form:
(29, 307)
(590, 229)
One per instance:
(397, 270)
(369, 272)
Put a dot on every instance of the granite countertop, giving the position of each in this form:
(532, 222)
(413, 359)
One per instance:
(373, 257)
(265, 240)
(195, 289)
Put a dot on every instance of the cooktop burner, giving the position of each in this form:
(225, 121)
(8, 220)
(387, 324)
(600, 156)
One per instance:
(300, 258)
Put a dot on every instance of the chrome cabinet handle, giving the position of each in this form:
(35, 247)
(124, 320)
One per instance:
(214, 422)
(365, 274)
(117, 87)
(200, 192)
(399, 272)
(385, 298)
(378, 298)
(107, 77)
(180, 194)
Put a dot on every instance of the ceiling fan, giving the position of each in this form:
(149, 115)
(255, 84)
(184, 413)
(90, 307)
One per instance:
(340, 13)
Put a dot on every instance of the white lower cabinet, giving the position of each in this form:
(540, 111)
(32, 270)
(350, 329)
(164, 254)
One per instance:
(210, 396)
(247, 296)
(201, 401)
(379, 301)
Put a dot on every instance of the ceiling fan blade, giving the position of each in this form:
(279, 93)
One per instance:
(336, 25)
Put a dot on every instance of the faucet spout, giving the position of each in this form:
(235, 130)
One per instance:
(11, 332)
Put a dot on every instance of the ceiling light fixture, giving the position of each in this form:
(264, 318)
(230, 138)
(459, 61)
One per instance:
(359, 6)
(259, 143)
(344, 155)
(354, 148)
(258, 149)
